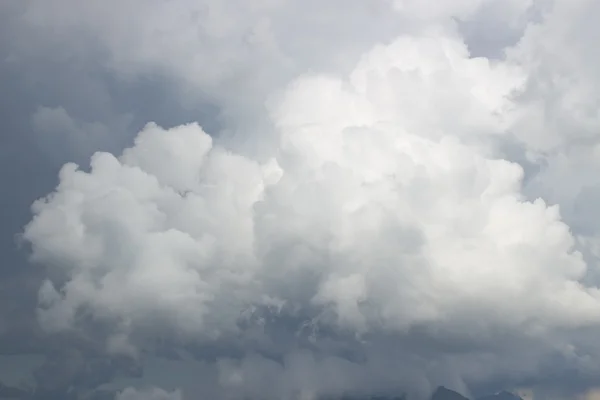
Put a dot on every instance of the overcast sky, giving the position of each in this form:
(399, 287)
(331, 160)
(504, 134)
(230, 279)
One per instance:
(285, 199)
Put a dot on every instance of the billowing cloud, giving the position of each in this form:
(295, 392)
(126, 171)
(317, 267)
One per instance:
(236, 53)
(392, 213)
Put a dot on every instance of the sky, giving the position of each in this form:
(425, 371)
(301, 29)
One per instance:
(285, 199)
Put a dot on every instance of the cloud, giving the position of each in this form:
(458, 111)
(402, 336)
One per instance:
(385, 197)
(392, 212)
(558, 117)
(367, 220)
(148, 394)
(233, 53)
(55, 129)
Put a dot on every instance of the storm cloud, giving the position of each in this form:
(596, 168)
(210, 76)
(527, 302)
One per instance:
(306, 199)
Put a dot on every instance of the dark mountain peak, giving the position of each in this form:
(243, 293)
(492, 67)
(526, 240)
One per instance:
(442, 393)
(503, 395)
